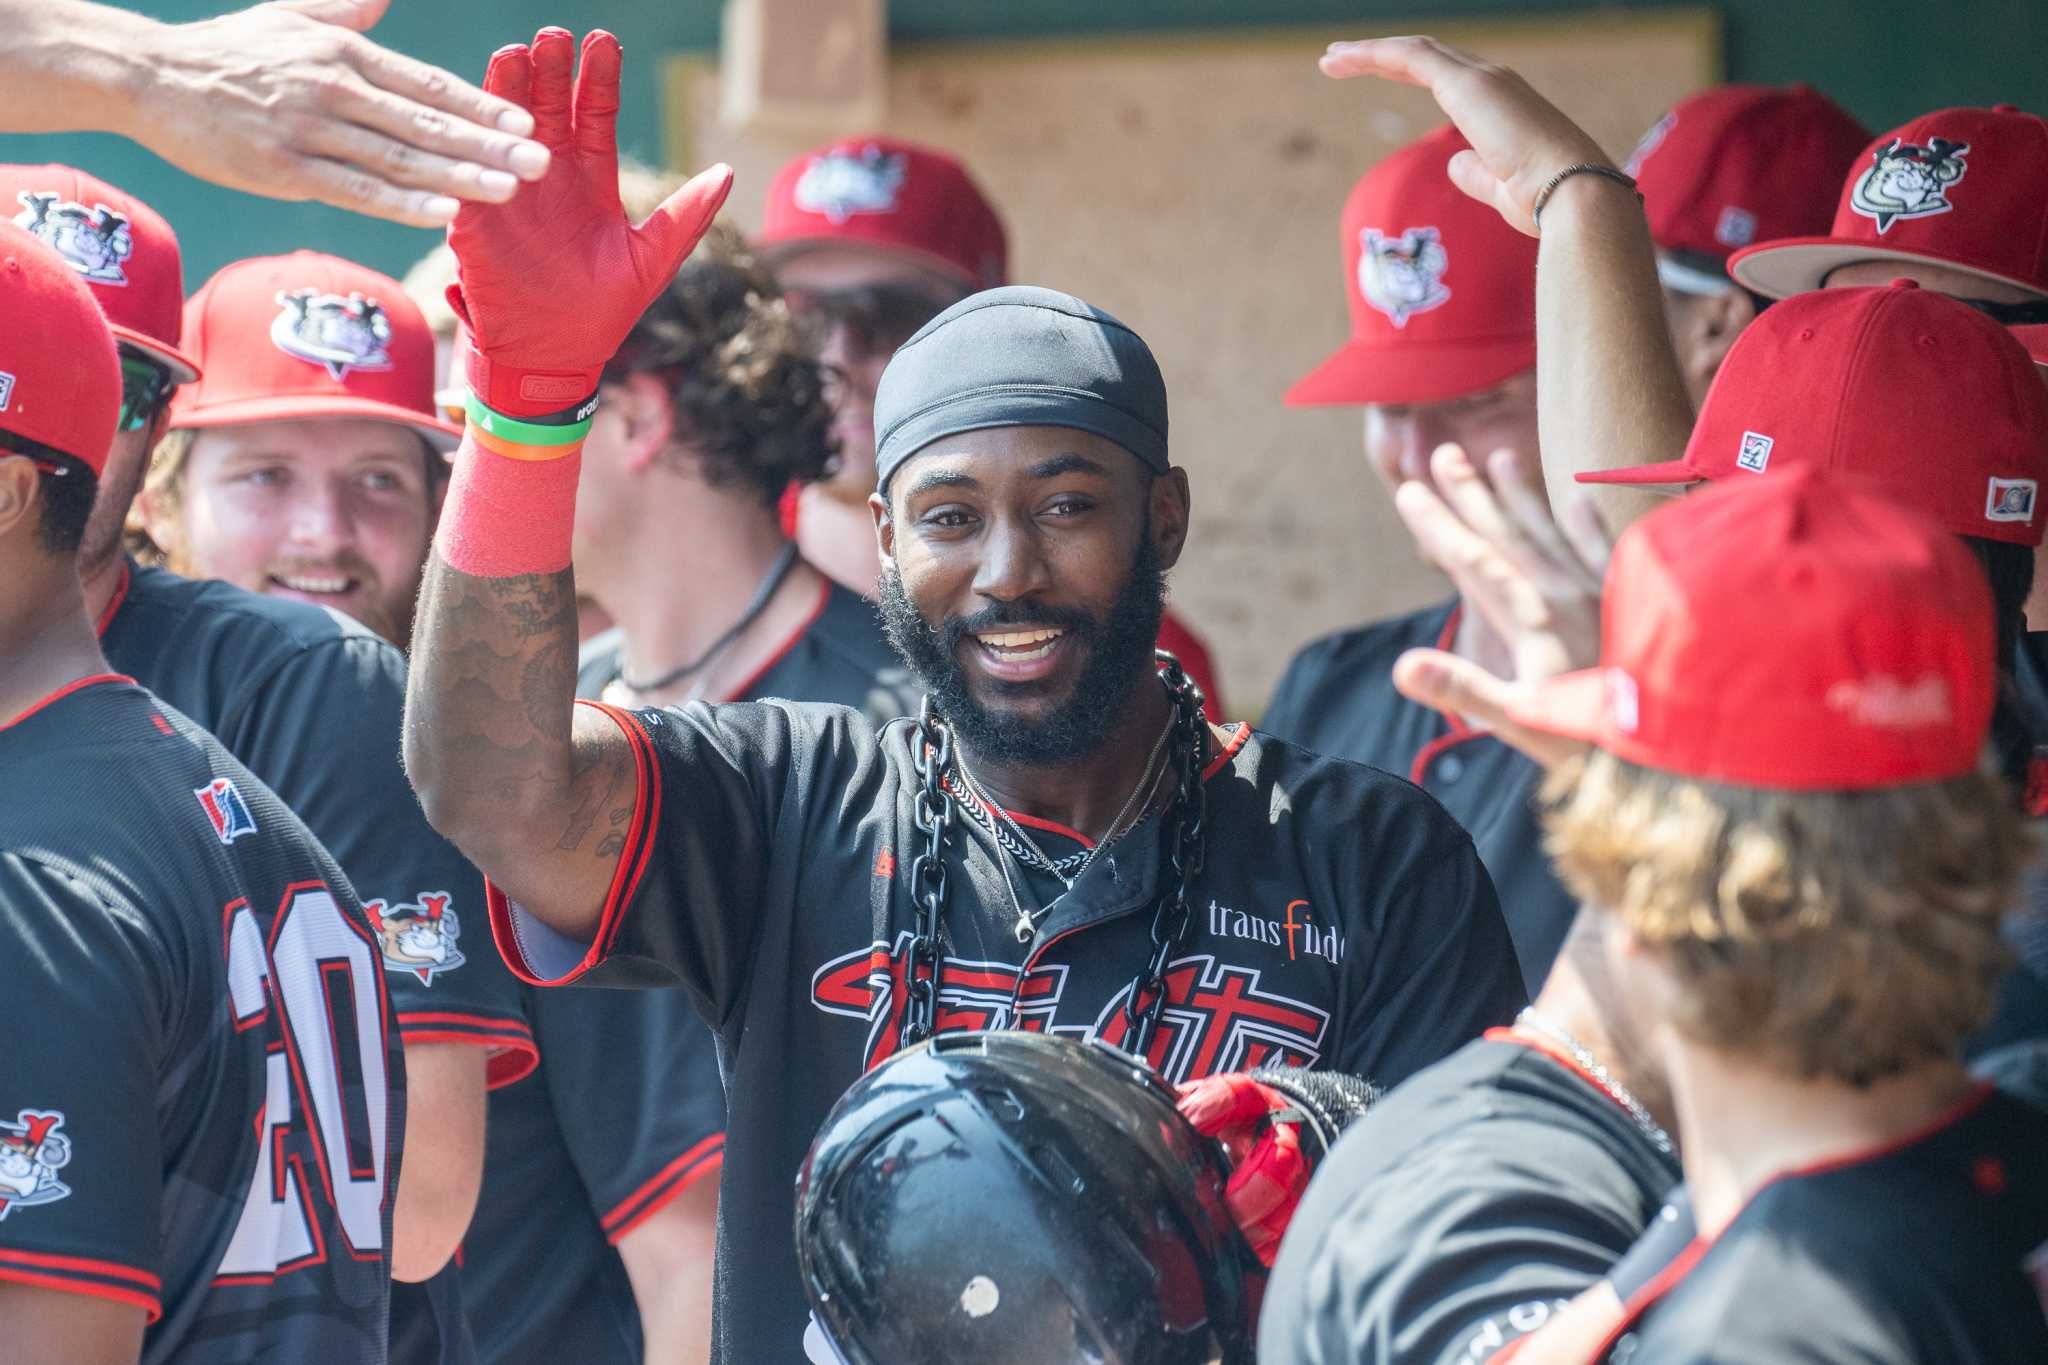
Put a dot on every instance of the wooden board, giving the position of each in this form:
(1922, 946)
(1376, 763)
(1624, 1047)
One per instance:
(1191, 186)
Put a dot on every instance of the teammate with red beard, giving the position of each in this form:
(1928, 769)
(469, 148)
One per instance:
(1061, 842)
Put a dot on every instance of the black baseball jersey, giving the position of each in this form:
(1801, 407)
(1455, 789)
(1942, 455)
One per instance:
(1933, 1251)
(1460, 1212)
(627, 1108)
(1342, 920)
(311, 702)
(1337, 697)
(202, 1109)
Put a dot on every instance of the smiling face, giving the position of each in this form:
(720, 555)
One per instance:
(337, 511)
(1023, 580)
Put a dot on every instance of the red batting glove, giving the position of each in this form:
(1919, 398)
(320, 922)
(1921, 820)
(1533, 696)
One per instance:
(1259, 1129)
(551, 281)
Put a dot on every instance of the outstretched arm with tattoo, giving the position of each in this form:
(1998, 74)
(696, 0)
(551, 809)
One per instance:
(550, 283)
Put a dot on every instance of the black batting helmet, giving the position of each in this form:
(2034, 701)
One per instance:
(1013, 1199)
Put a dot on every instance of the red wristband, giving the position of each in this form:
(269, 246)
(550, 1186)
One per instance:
(505, 517)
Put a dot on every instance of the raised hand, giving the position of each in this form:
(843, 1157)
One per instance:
(551, 282)
(1519, 139)
(1536, 579)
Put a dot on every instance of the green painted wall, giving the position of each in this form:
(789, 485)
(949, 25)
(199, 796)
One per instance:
(1885, 59)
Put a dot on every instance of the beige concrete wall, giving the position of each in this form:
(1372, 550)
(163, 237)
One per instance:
(1191, 186)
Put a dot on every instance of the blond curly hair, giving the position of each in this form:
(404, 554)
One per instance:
(1840, 934)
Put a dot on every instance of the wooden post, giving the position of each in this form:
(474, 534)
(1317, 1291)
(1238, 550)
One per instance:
(815, 67)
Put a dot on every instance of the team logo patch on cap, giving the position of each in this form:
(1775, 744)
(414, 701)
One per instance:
(1403, 275)
(1755, 452)
(840, 184)
(6, 389)
(94, 241)
(342, 334)
(32, 1151)
(1652, 138)
(419, 938)
(2010, 500)
(226, 809)
(1735, 227)
(1890, 703)
(1907, 180)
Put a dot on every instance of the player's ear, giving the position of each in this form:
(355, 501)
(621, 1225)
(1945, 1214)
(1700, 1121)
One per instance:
(20, 495)
(650, 418)
(885, 529)
(1169, 507)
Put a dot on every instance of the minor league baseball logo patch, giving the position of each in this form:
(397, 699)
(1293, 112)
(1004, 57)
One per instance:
(1403, 275)
(225, 809)
(2010, 500)
(93, 241)
(841, 184)
(32, 1150)
(1907, 180)
(339, 333)
(1755, 453)
(421, 937)
(6, 389)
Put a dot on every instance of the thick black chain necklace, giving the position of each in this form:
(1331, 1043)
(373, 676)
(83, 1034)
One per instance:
(935, 809)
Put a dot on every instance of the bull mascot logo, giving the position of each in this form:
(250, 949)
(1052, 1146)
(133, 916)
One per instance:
(339, 333)
(94, 241)
(1402, 276)
(419, 938)
(32, 1151)
(1907, 180)
(842, 183)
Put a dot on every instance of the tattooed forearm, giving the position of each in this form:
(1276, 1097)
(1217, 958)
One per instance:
(491, 743)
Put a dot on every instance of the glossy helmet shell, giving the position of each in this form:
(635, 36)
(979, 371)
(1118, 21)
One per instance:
(1013, 1199)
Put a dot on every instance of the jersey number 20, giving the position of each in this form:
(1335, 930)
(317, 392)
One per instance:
(316, 985)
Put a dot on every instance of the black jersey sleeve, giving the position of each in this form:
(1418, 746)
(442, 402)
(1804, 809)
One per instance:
(722, 792)
(323, 732)
(633, 1076)
(89, 988)
(1444, 971)
(1285, 712)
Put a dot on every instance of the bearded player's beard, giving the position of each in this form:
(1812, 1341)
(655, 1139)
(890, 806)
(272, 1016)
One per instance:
(1119, 653)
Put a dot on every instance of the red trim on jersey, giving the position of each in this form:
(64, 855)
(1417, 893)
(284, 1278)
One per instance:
(514, 1054)
(1666, 1278)
(824, 596)
(148, 1303)
(632, 864)
(1236, 741)
(1556, 1054)
(75, 685)
(113, 607)
(90, 1265)
(1507, 1352)
(704, 1159)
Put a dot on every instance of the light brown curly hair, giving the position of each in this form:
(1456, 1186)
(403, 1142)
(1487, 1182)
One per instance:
(741, 370)
(1840, 934)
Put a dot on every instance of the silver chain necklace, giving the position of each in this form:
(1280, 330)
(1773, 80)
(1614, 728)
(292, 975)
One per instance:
(1602, 1077)
(999, 822)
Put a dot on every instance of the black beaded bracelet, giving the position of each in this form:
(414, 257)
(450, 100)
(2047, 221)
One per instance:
(1581, 168)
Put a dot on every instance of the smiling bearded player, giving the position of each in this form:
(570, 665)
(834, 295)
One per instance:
(1061, 843)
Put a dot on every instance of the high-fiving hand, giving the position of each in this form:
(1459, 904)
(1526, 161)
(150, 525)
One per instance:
(551, 282)
(1535, 578)
(1519, 139)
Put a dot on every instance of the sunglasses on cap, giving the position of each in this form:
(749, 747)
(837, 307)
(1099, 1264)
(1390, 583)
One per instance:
(145, 389)
(2011, 314)
(882, 316)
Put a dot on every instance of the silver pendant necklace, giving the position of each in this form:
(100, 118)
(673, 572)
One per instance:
(999, 821)
(1602, 1077)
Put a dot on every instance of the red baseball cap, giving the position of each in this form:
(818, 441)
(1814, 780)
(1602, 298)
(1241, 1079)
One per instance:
(1800, 634)
(890, 196)
(1958, 187)
(1740, 164)
(1920, 396)
(1442, 292)
(308, 335)
(60, 377)
(121, 247)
